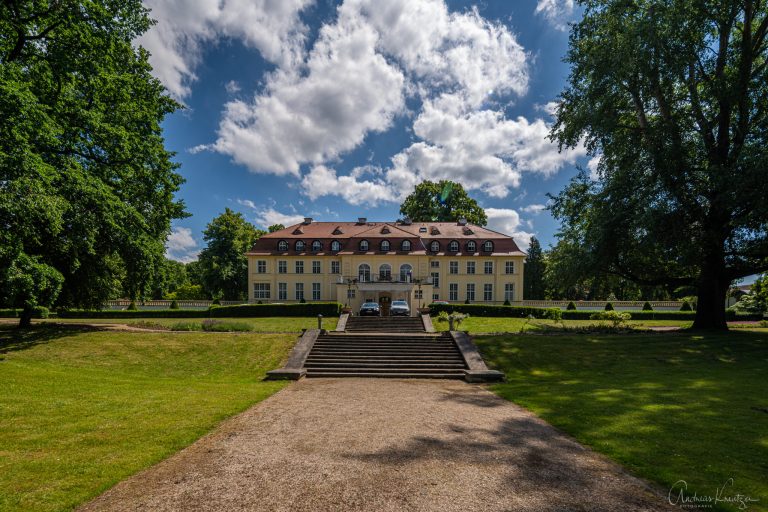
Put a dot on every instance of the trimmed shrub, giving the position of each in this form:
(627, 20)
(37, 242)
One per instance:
(507, 303)
(216, 302)
(614, 317)
(608, 306)
(174, 304)
(186, 326)
(219, 326)
(647, 306)
(37, 312)
(240, 311)
(132, 306)
(571, 306)
(686, 306)
(466, 301)
(303, 301)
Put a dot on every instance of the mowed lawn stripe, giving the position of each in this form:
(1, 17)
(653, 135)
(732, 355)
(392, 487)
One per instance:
(82, 410)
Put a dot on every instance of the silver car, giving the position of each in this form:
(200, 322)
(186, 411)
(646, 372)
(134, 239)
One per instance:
(399, 307)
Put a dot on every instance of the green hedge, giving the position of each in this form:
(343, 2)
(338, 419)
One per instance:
(39, 312)
(241, 311)
(523, 312)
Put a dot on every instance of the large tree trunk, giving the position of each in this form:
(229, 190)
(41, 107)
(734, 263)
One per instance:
(25, 319)
(713, 288)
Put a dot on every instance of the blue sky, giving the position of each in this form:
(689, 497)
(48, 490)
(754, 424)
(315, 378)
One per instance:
(336, 109)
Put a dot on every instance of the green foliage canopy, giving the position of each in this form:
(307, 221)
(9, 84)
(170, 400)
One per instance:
(533, 274)
(444, 201)
(674, 97)
(86, 185)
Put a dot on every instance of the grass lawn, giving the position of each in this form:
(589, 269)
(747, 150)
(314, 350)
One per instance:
(81, 410)
(501, 324)
(266, 324)
(666, 406)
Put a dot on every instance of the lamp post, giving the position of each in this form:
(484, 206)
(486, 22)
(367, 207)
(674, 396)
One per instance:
(350, 283)
(418, 296)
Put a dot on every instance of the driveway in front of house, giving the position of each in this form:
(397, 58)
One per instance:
(384, 445)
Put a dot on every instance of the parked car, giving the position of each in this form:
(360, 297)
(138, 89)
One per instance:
(440, 302)
(399, 307)
(370, 309)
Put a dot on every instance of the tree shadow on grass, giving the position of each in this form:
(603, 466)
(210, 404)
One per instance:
(13, 338)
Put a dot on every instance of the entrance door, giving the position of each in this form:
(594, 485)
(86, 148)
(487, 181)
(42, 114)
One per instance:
(385, 300)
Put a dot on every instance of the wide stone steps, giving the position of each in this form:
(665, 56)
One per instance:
(384, 324)
(385, 355)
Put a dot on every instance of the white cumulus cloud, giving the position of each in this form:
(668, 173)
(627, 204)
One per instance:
(508, 222)
(557, 12)
(181, 245)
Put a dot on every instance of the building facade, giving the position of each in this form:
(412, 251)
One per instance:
(356, 262)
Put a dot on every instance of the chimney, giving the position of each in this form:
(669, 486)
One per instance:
(462, 221)
(307, 220)
(407, 221)
(362, 220)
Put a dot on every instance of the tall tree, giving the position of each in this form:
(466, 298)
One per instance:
(533, 273)
(223, 263)
(673, 95)
(86, 185)
(275, 227)
(444, 201)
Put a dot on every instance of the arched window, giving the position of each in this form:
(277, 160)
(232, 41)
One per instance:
(406, 273)
(406, 245)
(434, 246)
(488, 246)
(364, 273)
(471, 246)
(316, 246)
(335, 246)
(385, 245)
(282, 246)
(385, 272)
(363, 245)
(299, 245)
(453, 246)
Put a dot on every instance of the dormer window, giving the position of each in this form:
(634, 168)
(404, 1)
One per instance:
(282, 246)
(453, 246)
(317, 246)
(406, 245)
(299, 245)
(434, 246)
(335, 246)
(363, 245)
(471, 246)
(385, 245)
(488, 246)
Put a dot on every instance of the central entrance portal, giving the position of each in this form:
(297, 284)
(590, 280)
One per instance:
(385, 301)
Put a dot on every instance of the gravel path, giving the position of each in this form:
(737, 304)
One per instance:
(383, 445)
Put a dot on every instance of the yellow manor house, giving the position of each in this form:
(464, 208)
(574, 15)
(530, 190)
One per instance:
(356, 262)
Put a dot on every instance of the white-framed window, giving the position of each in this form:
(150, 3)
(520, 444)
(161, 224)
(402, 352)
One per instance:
(363, 245)
(282, 246)
(385, 245)
(261, 266)
(453, 246)
(434, 246)
(299, 267)
(453, 267)
(509, 267)
(299, 291)
(315, 291)
(406, 245)
(316, 269)
(435, 296)
(317, 246)
(487, 292)
(260, 290)
(509, 291)
(350, 293)
(385, 272)
(282, 291)
(299, 245)
(470, 292)
(471, 246)
(434, 264)
(335, 246)
(282, 267)
(488, 246)
(406, 273)
(435, 279)
(418, 294)
(364, 273)
(335, 267)
(470, 267)
(488, 266)
(453, 291)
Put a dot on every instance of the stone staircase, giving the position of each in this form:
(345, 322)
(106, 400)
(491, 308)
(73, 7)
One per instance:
(396, 354)
(389, 324)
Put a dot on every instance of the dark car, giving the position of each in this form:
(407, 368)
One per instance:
(370, 309)
(399, 307)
